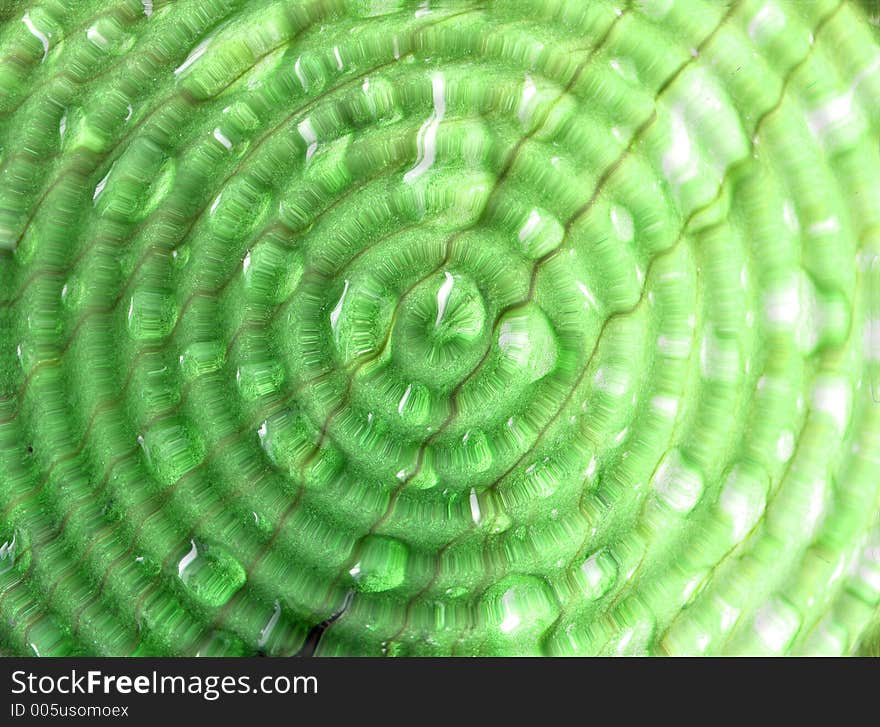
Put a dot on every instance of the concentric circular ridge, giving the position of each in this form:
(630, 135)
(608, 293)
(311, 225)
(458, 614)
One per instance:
(473, 327)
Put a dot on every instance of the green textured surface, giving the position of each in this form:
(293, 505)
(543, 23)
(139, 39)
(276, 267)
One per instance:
(487, 327)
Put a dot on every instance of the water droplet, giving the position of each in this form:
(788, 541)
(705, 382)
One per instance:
(382, 565)
(211, 575)
(38, 34)
(266, 631)
(426, 140)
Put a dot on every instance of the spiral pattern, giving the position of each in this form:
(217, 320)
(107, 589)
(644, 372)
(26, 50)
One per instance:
(383, 327)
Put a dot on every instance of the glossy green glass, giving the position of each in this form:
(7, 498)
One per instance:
(407, 328)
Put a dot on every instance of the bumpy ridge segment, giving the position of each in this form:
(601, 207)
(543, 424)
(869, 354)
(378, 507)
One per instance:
(378, 327)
